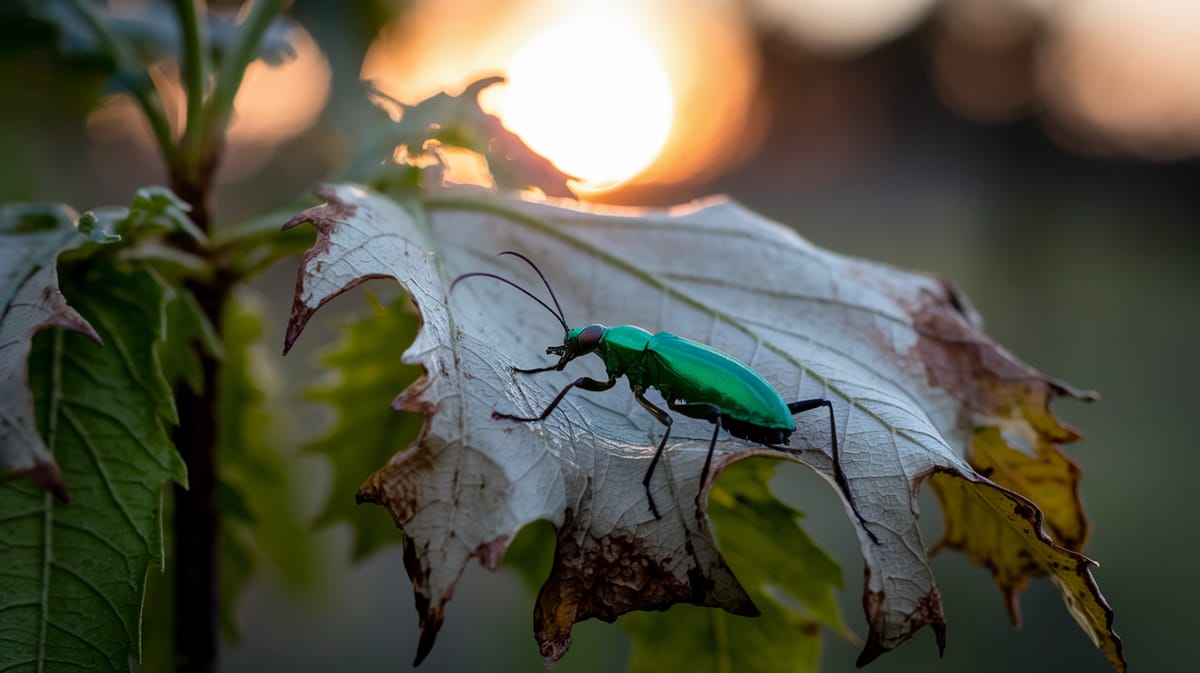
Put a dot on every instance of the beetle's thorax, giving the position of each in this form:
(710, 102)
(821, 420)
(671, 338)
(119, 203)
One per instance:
(623, 351)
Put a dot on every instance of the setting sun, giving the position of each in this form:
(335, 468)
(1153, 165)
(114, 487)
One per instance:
(590, 96)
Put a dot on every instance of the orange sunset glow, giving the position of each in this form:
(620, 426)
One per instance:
(592, 97)
(634, 94)
(624, 93)
(610, 92)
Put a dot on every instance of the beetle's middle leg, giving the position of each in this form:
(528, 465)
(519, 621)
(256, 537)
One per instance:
(664, 418)
(839, 475)
(581, 382)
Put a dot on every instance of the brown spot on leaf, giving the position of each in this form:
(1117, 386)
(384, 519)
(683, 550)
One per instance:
(605, 577)
(413, 398)
(491, 552)
(959, 302)
(984, 377)
(1022, 510)
(396, 484)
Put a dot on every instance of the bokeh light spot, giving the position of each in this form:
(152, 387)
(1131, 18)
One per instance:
(590, 96)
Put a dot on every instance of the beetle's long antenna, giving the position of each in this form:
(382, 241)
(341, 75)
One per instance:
(541, 275)
(509, 282)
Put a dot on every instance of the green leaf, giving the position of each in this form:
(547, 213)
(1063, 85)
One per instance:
(531, 552)
(157, 208)
(262, 495)
(189, 334)
(75, 575)
(237, 559)
(692, 639)
(96, 230)
(368, 431)
(153, 210)
(765, 546)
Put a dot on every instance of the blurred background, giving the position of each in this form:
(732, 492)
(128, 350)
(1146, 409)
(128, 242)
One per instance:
(1040, 153)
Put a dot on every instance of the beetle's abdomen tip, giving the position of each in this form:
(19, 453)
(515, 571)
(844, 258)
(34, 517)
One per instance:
(755, 433)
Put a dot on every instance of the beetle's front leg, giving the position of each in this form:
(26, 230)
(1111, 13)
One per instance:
(556, 367)
(539, 370)
(581, 382)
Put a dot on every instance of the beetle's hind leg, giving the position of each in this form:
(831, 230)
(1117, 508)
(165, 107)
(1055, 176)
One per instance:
(707, 412)
(839, 475)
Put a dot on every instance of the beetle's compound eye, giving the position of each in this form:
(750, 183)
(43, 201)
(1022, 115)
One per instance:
(590, 337)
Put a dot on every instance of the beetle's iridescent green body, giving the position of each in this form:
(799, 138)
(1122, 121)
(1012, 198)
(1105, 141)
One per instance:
(687, 371)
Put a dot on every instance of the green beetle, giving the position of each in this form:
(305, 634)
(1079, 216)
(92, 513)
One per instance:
(694, 379)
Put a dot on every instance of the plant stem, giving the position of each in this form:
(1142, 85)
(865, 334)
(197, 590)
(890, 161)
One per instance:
(233, 68)
(195, 75)
(197, 523)
(197, 518)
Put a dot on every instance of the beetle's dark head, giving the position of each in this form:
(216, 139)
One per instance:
(578, 341)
